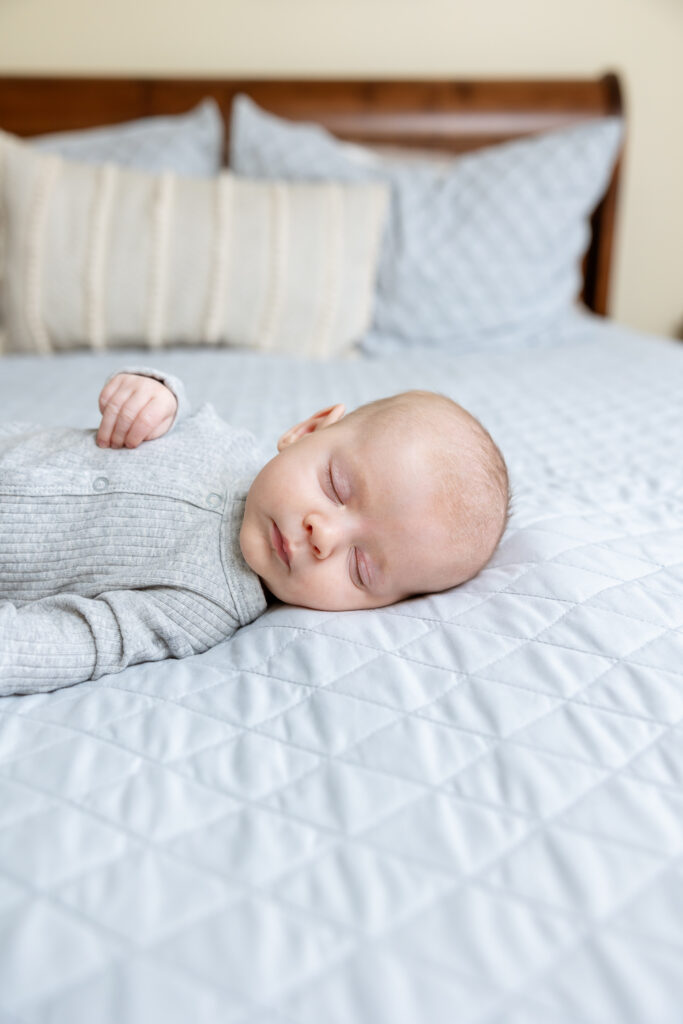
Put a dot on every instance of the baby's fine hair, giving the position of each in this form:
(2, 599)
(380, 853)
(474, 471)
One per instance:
(464, 460)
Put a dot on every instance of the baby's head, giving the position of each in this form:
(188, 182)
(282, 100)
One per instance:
(407, 495)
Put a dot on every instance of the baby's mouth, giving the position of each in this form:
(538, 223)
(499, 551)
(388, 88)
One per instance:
(280, 544)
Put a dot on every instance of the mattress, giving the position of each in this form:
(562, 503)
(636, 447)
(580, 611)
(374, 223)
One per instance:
(467, 807)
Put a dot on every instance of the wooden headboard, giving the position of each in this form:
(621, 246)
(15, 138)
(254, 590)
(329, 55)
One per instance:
(442, 116)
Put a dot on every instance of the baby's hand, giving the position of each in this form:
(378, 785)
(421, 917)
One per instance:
(134, 409)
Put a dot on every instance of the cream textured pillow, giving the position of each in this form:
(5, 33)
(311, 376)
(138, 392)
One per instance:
(100, 256)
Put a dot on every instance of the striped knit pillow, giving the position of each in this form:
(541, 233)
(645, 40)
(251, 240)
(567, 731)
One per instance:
(97, 256)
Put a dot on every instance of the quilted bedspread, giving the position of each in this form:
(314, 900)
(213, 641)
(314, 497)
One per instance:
(463, 808)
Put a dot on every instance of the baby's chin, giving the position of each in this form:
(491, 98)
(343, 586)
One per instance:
(268, 593)
(278, 594)
(320, 603)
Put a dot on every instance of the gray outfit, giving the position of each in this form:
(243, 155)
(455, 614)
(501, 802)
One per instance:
(110, 557)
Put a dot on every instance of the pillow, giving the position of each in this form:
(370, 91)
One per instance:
(97, 255)
(490, 242)
(189, 143)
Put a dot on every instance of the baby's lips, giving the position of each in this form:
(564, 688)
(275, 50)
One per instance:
(280, 545)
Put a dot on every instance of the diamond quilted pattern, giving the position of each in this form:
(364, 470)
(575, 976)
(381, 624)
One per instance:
(587, 733)
(640, 691)
(657, 908)
(251, 766)
(419, 750)
(482, 706)
(499, 939)
(342, 796)
(45, 934)
(575, 872)
(370, 988)
(455, 835)
(245, 697)
(251, 845)
(633, 812)
(142, 990)
(141, 913)
(263, 939)
(57, 843)
(157, 802)
(648, 978)
(326, 722)
(662, 762)
(361, 889)
(467, 807)
(526, 780)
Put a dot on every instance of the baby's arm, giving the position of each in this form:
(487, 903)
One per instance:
(139, 405)
(65, 638)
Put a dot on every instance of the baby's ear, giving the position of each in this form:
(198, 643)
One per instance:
(324, 418)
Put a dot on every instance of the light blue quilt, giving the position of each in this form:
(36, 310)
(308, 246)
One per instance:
(464, 809)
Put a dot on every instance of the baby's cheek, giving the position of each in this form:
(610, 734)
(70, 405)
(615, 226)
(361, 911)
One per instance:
(253, 548)
(332, 596)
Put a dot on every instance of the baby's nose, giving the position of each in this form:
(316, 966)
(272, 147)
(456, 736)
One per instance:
(321, 535)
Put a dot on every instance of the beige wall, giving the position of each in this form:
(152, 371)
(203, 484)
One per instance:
(642, 39)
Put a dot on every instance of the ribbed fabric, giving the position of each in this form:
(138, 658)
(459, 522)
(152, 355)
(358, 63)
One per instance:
(113, 557)
(169, 260)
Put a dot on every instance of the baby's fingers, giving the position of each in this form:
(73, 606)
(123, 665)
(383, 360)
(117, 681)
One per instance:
(111, 401)
(119, 415)
(151, 421)
(163, 425)
(109, 390)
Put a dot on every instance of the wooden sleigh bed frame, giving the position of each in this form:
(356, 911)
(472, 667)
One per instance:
(431, 115)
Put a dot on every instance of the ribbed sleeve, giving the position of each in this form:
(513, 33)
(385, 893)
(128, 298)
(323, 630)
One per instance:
(66, 638)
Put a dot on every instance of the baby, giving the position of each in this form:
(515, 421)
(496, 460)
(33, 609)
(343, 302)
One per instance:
(115, 552)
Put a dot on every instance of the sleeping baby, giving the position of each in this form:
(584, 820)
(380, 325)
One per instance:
(115, 551)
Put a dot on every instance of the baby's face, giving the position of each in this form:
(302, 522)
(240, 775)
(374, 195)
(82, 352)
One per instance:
(341, 520)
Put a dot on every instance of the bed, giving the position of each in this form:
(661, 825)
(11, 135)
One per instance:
(465, 807)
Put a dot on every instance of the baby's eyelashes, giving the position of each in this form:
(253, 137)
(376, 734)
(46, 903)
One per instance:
(331, 489)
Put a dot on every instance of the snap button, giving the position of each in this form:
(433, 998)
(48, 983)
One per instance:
(214, 499)
(100, 483)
